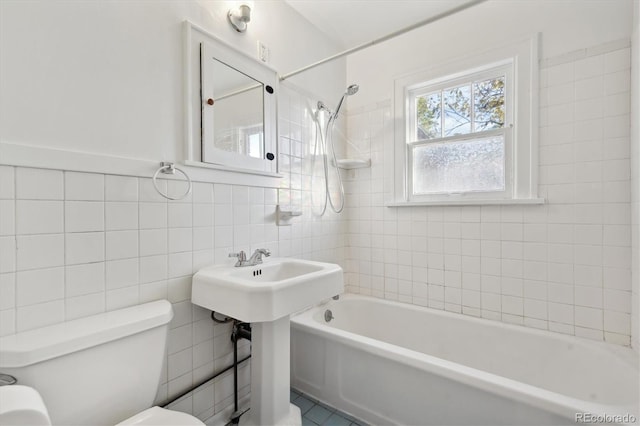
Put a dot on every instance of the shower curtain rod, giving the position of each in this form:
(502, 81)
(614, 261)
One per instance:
(385, 38)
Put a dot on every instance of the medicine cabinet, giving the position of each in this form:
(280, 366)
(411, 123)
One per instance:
(231, 106)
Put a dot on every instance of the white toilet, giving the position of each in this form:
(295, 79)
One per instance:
(100, 370)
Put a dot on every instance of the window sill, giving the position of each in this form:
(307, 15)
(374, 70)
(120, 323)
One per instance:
(488, 202)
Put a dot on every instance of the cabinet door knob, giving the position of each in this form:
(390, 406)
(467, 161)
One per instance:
(210, 101)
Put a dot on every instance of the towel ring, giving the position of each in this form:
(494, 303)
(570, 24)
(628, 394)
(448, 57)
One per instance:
(170, 169)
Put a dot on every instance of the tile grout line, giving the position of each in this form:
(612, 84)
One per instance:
(15, 250)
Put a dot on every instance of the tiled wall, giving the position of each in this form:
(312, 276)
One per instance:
(564, 266)
(75, 244)
(297, 132)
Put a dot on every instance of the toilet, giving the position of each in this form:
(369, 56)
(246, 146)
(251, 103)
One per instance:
(99, 370)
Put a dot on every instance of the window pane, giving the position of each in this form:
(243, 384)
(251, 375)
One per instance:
(457, 110)
(428, 116)
(453, 167)
(489, 104)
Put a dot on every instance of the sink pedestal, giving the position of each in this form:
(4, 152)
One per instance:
(265, 295)
(270, 376)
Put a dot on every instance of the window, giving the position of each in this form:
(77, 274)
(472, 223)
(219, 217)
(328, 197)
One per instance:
(459, 134)
(467, 131)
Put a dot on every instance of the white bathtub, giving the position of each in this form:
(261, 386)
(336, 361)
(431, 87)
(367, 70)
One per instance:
(393, 363)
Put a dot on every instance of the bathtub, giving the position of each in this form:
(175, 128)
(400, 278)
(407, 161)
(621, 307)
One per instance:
(393, 363)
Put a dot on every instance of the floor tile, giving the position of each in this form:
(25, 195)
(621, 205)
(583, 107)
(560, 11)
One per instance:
(304, 404)
(336, 420)
(328, 407)
(352, 419)
(318, 414)
(307, 422)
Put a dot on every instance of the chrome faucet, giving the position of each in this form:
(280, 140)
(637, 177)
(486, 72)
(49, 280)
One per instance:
(255, 259)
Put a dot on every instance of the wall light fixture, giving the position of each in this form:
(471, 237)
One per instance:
(239, 17)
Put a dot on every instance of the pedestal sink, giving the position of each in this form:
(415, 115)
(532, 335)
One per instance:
(266, 295)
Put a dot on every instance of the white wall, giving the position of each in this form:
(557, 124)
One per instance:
(565, 26)
(564, 266)
(635, 175)
(106, 77)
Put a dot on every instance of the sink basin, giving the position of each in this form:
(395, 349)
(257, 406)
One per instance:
(274, 289)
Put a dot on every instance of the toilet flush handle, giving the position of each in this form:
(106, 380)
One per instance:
(6, 379)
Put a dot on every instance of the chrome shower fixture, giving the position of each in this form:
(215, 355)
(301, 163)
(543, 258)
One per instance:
(324, 148)
(351, 90)
(323, 107)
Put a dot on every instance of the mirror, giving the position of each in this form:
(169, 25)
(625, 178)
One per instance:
(237, 109)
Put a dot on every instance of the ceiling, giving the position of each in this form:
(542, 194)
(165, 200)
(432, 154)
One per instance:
(353, 22)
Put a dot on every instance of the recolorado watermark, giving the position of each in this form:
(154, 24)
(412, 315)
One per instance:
(605, 418)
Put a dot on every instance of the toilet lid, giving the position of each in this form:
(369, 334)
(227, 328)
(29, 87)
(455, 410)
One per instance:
(156, 416)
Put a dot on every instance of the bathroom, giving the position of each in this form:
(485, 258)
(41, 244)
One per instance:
(84, 230)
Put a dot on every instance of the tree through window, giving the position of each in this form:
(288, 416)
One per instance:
(464, 109)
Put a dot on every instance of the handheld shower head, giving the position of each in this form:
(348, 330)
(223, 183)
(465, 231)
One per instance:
(351, 90)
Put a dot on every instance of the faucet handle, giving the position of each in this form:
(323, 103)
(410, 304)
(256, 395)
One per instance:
(241, 255)
(266, 252)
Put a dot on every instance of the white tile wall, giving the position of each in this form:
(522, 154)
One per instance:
(76, 244)
(84, 186)
(39, 184)
(564, 266)
(39, 217)
(38, 251)
(121, 216)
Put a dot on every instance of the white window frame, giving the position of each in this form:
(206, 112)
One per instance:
(490, 71)
(520, 130)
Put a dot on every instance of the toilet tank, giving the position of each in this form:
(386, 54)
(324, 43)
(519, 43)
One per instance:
(96, 370)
